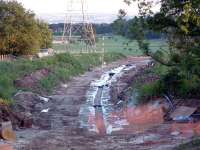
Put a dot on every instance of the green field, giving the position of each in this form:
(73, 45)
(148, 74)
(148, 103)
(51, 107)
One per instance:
(114, 44)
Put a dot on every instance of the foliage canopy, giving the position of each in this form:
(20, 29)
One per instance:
(20, 32)
(179, 21)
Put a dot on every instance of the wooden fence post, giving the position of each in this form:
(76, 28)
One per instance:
(103, 50)
(5, 57)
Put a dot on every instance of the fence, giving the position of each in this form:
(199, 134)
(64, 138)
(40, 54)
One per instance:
(6, 57)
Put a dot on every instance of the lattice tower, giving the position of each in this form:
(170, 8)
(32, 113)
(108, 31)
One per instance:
(78, 28)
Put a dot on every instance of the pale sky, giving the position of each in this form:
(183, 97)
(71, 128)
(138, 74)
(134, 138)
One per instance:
(98, 10)
(60, 6)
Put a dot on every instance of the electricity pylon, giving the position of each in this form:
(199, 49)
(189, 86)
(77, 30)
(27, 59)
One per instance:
(77, 28)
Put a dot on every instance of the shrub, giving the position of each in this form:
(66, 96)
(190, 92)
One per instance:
(149, 91)
(192, 145)
(20, 32)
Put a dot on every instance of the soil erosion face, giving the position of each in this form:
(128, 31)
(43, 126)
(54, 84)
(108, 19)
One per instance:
(57, 123)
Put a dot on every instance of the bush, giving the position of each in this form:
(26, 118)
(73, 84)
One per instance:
(181, 85)
(192, 145)
(149, 91)
(20, 32)
(172, 81)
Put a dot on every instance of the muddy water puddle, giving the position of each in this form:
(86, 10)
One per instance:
(99, 115)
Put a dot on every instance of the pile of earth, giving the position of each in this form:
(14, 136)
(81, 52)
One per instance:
(31, 81)
(25, 103)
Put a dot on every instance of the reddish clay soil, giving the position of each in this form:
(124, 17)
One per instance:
(59, 128)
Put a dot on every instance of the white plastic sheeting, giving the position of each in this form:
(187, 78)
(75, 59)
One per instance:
(87, 111)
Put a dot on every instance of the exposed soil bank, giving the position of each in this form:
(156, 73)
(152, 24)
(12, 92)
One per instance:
(57, 124)
(120, 88)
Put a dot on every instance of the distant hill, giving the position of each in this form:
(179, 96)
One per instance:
(100, 28)
(93, 18)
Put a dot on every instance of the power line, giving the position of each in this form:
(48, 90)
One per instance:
(78, 23)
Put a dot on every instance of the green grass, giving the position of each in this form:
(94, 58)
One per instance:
(192, 145)
(147, 85)
(62, 66)
(116, 44)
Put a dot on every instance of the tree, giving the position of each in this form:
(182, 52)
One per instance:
(45, 34)
(20, 33)
(119, 26)
(132, 29)
(179, 21)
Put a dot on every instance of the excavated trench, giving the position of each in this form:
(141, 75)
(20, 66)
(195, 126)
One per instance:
(84, 115)
(99, 113)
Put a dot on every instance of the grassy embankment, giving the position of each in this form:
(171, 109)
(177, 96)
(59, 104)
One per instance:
(62, 67)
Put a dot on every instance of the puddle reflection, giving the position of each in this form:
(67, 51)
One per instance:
(100, 124)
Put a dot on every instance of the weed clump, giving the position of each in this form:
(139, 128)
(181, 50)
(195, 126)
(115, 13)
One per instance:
(159, 80)
(61, 66)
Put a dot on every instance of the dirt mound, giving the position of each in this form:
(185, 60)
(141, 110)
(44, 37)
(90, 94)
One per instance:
(6, 147)
(6, 114)
(21, 115)
(31, 80)
(28, 105)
